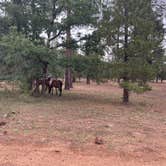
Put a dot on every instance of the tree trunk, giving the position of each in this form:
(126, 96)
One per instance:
(125, 78)
(74, 78)
(67, 78)
(79, 79)
(45, 72)
(157, 79)
(87, 79)
(68, 74)
(71, 79)
(125, 95)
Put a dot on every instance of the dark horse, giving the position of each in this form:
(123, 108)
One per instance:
(44, 82)
(57, 84)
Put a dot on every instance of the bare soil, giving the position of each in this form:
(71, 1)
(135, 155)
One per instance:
(61, 131)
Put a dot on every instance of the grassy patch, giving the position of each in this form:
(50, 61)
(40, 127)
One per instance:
(84, 113)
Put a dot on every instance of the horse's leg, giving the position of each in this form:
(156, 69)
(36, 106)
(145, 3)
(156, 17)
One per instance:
(49, 89)
(56, 91)
(46, 88)
(37, 89)
(60, 91)
(43, 88)
(52, 90)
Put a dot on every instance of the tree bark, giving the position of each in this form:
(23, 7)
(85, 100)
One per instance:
(68, 78)
(45, 72)
(87, 79)
(125, 95)
(74, 78)
(68, 73)
(125, 78)
(157, 79)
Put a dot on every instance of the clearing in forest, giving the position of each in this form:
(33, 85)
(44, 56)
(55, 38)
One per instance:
(61, 131)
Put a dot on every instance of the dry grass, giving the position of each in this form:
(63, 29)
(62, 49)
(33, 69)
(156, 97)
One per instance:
(89, 111)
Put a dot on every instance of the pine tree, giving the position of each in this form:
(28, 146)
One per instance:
(133, 35)
(93, 49)
(78, 13)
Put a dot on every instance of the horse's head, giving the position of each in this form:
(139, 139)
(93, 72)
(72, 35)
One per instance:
(49, 78)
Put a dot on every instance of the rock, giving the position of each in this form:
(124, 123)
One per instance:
(2, 123)
(6, 115)
(5, 133)
(99, 141)
(57, 151)
(9, 114)
(43, 140)
(108, 126)
(139, 135)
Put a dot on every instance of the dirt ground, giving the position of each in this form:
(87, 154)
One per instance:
(61, 131)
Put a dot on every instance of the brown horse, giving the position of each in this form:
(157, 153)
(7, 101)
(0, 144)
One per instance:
(45, 83)
(57, 84)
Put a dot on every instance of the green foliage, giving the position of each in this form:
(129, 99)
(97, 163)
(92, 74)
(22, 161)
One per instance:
(81, 12)
(23, 58)
(135, 32)
(136, 87)
(93, 66)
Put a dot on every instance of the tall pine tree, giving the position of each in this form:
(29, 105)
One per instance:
(131, 29)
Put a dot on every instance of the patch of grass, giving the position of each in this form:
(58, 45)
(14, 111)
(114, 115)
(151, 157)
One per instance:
(82, 114)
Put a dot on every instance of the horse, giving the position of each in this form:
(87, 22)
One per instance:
(44, 82)
(57, 84)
